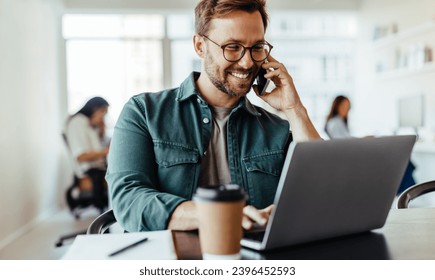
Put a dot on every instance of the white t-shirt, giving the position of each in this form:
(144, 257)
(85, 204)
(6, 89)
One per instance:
(82, 137)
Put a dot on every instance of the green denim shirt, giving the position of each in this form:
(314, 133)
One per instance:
(158, 145)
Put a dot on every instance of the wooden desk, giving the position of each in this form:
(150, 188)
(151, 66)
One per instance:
(408, 234)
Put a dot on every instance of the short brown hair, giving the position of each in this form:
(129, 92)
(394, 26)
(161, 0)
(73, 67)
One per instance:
(206, 10)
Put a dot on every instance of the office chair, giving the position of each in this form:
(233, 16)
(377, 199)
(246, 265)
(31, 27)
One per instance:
(413, 192)
(102, 223)
(76, 200)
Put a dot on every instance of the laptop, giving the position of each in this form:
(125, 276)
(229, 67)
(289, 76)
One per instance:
(334, 188)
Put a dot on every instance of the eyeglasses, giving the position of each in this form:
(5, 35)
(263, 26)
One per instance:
(233, 52)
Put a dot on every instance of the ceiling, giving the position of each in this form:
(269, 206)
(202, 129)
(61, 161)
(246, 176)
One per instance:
(166, 5)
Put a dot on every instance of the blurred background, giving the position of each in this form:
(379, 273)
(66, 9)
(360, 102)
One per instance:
(56, 54)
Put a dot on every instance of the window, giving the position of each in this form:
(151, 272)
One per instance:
(184, 60)
(318, 51)
(113, 56)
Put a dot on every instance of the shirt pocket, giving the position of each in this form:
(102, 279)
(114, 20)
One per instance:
(263, 172)
(176, 167)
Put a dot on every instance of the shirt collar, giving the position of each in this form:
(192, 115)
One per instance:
(188, 89)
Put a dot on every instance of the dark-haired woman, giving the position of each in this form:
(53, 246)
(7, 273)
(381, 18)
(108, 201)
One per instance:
(336, 122)
(85, 136)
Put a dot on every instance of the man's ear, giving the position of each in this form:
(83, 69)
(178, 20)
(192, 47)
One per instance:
(199, 45)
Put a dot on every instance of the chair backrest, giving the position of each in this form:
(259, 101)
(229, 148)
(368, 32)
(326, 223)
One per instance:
(102, 223)
(73, 161)
(413, 192)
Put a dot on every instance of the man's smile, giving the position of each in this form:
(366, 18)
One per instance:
(239, 74)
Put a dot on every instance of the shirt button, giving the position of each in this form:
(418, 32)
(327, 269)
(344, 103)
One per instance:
(198, 100)
(205, 120)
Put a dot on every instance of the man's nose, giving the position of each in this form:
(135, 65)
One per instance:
(246, 60)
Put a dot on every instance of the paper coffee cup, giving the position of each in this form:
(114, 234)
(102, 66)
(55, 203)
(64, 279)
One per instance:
(220, 211)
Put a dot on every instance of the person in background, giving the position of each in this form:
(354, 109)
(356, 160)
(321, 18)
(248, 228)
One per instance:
(85, 135)
(206, 131)
(336, 127)
(336, 122)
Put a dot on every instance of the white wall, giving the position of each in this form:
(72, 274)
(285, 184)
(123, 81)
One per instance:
(31, 107)
(374, 109)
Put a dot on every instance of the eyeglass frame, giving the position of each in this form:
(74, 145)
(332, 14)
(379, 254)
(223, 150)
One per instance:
(244, 49)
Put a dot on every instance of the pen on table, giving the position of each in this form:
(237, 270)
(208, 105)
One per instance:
(128, 247)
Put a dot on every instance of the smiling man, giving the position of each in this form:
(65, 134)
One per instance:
(206, 131)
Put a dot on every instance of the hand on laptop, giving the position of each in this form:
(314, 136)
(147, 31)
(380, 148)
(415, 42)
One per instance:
(254, 218)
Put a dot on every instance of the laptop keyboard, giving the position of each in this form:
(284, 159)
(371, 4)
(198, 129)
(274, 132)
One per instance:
(254, 235)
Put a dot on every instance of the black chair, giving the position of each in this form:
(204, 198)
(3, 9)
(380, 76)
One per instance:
(102, 223)
(78, 201)
(413, 192)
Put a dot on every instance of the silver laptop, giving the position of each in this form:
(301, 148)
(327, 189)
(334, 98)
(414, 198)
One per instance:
(334, 188)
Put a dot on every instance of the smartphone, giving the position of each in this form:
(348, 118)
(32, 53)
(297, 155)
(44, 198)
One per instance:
(262, 82)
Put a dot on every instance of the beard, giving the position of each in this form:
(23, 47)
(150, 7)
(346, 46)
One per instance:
(219, 78)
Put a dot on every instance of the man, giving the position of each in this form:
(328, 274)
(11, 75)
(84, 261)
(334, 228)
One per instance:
(206, 131)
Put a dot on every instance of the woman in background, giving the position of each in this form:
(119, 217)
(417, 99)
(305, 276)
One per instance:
(336, 122)
(85, 135)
